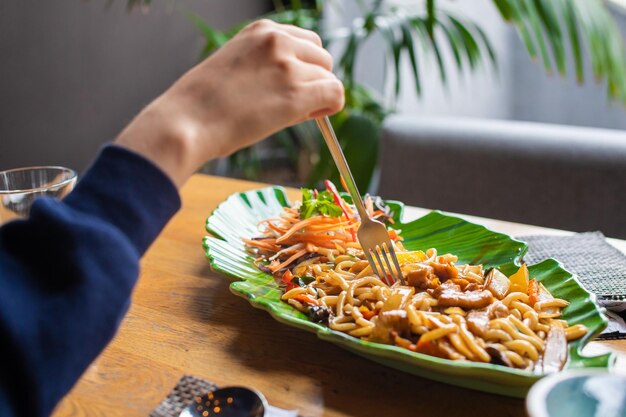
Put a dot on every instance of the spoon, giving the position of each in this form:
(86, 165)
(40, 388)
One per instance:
(234, 402)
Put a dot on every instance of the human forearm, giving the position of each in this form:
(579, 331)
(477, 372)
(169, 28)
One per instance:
(66, 275)
(268, 77)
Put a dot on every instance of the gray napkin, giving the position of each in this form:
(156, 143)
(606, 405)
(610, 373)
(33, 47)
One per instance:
(600, 267)
(187, 388)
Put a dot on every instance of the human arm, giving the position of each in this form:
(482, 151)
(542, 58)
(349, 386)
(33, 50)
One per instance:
(67, 272)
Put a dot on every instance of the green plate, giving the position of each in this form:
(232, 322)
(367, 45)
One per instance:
(237, 217)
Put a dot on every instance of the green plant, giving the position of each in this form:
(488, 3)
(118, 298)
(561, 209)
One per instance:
(548, 28)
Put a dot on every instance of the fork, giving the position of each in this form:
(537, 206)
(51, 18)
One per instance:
(372, 234)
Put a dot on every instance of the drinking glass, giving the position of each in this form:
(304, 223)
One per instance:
(20, 187)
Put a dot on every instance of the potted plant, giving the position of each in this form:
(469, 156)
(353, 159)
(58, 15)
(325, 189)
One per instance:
(550, 29)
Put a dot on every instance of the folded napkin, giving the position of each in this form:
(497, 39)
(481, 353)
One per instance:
(599, 266)
(187, 388)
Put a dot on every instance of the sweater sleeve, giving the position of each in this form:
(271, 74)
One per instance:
(67, 273)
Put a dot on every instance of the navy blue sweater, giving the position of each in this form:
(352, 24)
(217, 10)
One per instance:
(66, 276)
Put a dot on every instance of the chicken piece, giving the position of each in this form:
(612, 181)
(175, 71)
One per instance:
(555, 355)
(463, 283)
(497, 283)
(497, 310)
(478, 322)
(468, 300)
(399, 298)
(386, 322)
(420, 275)
(445, 271)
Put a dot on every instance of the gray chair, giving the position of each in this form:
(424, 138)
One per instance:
(549, 175)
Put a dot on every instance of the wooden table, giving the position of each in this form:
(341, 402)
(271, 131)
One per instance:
(184, 320)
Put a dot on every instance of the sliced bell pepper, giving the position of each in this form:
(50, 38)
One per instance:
(287, 279)
(519, 280)
(533, 291)
(367, 313)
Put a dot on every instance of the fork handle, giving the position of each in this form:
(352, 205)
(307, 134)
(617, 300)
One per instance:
(340, 160)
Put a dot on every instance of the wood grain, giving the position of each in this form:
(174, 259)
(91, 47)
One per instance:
(184, 320)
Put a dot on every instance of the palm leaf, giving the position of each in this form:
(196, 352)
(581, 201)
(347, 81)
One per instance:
(487, 44)
(586, 19)
(214, 39)
(348, 58)
(472, 50)
(528, 8)
(456, 44)
(520, 21)
(574, 39)
(395, 45)
(431, 44)
(305, 18)
(407, 40)
(431, 17)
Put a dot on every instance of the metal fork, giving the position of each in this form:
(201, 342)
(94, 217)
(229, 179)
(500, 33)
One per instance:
(372, 234)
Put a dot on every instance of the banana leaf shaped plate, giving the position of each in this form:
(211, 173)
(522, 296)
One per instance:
(237, 217)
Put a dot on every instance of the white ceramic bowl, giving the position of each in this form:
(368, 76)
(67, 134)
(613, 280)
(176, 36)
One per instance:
(585, 393)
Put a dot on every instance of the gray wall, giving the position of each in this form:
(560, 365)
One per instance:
(73, 73)
(519, 89)
(552, 99)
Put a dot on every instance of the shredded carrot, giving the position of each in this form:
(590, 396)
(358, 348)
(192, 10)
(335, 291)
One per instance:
(303, 298)
(301, 225)
(273, 219)
(292, 258)
(329, 227)
(305, 236)
(321, 244)
(275, 228)
(343, 184)
(262, 244)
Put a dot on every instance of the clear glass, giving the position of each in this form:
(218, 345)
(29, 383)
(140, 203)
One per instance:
(20, 187)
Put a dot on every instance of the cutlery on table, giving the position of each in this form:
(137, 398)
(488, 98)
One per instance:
(372, 234)
(234, 402)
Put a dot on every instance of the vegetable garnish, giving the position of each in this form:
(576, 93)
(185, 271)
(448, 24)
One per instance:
(341, 203)
(321, 204)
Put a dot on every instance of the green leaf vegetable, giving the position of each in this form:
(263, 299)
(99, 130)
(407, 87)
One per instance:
(323, 204)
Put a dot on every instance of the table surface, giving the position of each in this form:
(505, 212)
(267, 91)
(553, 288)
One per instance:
(184, 320)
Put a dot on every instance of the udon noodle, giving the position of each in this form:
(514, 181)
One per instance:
(447, 310)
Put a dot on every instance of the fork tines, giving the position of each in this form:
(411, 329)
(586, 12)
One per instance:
(385, 252)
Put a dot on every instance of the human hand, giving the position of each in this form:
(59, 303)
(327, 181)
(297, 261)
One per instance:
(266, 78)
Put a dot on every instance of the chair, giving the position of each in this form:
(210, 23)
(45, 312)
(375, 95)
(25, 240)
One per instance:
(563, 177)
